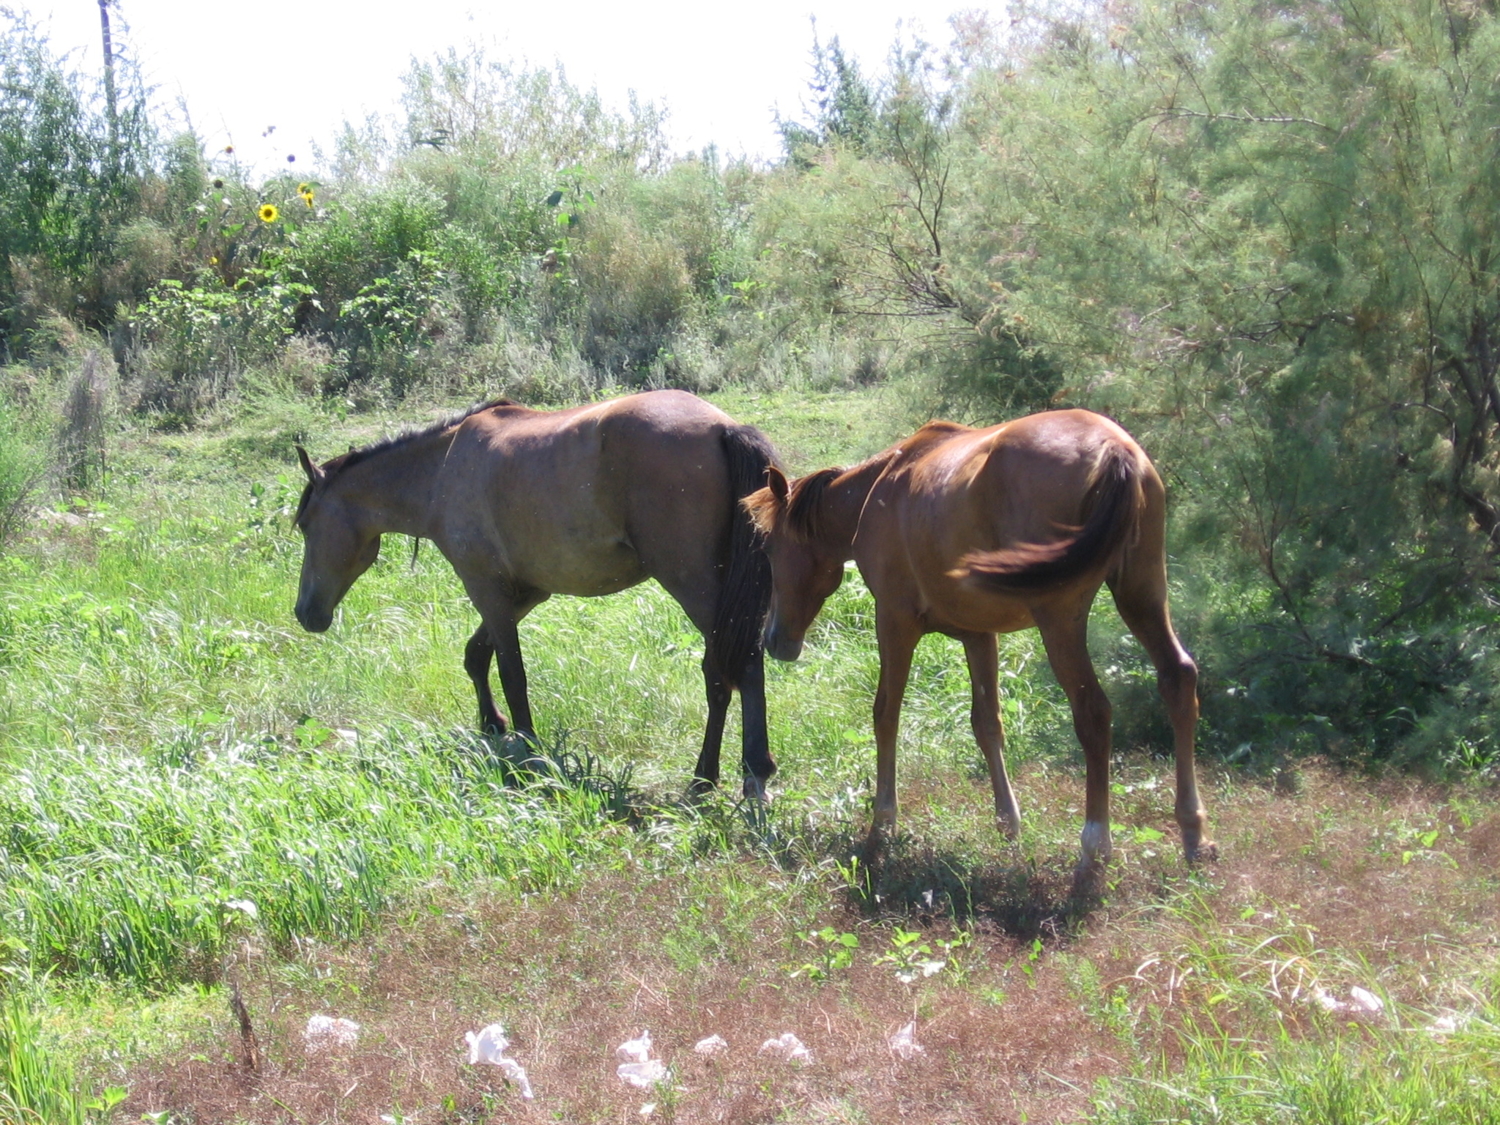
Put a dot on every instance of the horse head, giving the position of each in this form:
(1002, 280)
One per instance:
(804, 570)
(337, 546)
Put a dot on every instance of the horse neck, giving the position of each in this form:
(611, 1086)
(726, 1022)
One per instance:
(844, 502)
(393, 489)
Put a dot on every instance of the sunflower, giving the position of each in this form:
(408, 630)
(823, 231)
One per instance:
(268, 212)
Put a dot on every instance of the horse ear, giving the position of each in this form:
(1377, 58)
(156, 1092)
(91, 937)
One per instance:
(776, 481)
(314, 474)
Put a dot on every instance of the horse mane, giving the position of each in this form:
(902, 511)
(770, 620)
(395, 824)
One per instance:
(804, 504)
(395, 441)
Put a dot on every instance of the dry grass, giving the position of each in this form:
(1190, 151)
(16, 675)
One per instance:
(1051, 997)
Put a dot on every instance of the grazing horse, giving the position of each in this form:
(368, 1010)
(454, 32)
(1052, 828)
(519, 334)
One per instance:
(526, 504)
(971, 533)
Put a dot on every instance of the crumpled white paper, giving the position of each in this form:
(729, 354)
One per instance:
(329, 1032)
(1360, 1000)
(713, 1045)
(789, 1047)
(639, 1068)
(635, 1050)
(644, 1074)
(489, 1046)
(904, 1043)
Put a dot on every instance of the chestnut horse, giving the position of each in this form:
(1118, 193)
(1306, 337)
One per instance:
(971, 533)
(526, 504)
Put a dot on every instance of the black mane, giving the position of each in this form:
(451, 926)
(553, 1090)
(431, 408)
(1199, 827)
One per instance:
(355, 456)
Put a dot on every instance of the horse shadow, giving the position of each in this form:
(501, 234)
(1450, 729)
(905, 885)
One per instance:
(1025, 897)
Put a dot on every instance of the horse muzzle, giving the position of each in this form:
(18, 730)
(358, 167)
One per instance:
(781, 644)
(313, 619)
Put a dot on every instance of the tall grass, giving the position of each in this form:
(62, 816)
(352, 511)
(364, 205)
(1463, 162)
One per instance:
(37, 1086)
(124, 867)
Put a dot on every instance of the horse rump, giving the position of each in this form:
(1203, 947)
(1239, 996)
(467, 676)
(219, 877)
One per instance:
(1114, 502)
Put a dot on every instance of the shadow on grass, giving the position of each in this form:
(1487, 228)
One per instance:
(519, 762)
(1027, 899)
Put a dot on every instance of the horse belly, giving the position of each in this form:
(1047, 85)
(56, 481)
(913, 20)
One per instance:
(584, 566)
(956, 608)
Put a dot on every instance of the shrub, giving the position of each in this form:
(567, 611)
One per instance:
(20, 471)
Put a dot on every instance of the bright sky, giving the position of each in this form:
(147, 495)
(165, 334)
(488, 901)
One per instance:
(721, 69)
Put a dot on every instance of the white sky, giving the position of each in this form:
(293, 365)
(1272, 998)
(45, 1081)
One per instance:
(721, 69)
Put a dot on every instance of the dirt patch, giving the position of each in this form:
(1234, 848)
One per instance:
(1045, 1001)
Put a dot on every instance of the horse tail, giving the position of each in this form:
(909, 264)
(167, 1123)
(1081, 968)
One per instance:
(745, 594)
(1114, 502)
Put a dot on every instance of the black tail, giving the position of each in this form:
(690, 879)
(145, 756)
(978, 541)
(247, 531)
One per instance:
(745, 596)
(1114, 504)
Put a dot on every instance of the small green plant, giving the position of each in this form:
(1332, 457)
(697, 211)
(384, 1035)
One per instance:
(834, 951)
(913, 958)
(1030, 961)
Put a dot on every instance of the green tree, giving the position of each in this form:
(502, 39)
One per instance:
(1265, 237)
(69, 174)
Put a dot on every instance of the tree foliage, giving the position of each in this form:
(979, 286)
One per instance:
(1265, 236)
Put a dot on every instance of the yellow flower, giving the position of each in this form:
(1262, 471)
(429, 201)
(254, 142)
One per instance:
(304, 188)
(268, 212)
(307, 197)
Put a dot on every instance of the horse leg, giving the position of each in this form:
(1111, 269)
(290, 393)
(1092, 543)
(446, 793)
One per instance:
(989, 732)
(706, 772)
(755, 745)
(897, 636)
(1140, 596)
(501, 612)
(507, 641)
(477, 654)
(1065, 634)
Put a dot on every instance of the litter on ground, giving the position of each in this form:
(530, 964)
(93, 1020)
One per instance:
(329, 1032)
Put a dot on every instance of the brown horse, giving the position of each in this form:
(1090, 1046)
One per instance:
(526, 504)
(971, 533)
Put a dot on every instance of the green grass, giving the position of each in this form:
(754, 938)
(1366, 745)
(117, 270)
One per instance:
(194, 790)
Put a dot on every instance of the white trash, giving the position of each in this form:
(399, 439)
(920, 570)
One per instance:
(644, 1074)
(635, 1050)
(713, 1045)
(904, 1042)
(489, 1046)
(1360, 1000)
(328, 1032)
(1365, 1001)
(788, 1047)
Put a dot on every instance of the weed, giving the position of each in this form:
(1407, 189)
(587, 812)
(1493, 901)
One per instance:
(834, 952)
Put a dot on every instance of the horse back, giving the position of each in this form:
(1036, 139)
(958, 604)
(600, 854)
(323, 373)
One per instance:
(1013, 495)
(599, 497)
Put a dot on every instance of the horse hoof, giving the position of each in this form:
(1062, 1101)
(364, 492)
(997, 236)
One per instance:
(700, 787)
(755, 790)
(1089, 881)
(1206, 852)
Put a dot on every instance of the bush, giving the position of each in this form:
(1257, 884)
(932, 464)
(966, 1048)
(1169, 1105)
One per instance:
(21, 469)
